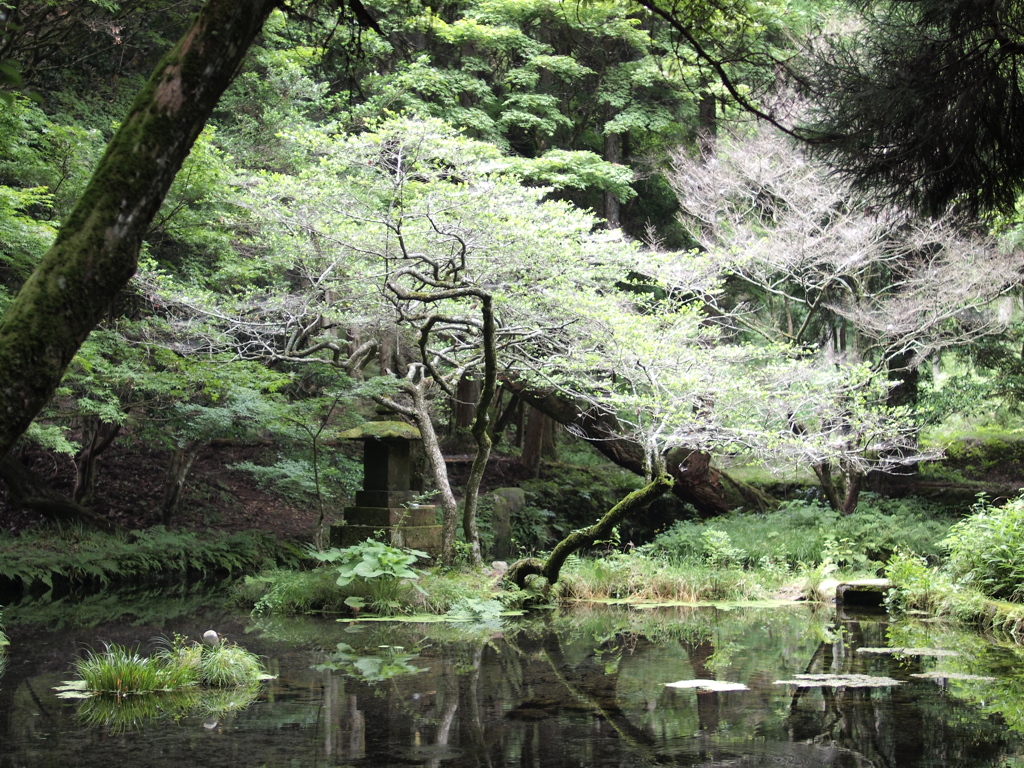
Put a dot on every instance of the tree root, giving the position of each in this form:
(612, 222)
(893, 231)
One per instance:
(26, 489)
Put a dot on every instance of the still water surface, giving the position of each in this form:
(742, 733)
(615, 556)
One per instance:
(585, 687)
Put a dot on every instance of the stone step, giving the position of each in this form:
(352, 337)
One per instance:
(856, 592)
(423, 537)
(385, 516)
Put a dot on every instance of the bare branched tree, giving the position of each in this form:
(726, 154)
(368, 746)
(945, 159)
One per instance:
(869, 290)
(807, 253)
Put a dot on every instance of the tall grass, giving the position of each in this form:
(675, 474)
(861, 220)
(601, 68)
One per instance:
(745, 556)
(227, 665)
(121, 671)
(642, 578)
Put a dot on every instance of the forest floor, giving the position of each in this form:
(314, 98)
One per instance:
(130, 481)
(129, 487)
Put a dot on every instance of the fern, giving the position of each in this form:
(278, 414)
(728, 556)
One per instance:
(79, 560)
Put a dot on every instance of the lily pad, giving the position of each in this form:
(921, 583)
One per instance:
(936, 675)
(910, 651)
(425, 618)
(839, 681)
(73, 689)
(708, 685)
(72, 685)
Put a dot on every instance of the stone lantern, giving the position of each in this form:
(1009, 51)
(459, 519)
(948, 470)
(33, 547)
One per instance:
(384, 508)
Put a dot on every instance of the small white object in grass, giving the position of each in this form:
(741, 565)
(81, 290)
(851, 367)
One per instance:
(211, 638)
(708, 685)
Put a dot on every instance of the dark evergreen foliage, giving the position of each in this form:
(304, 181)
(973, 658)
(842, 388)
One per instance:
(924, 106)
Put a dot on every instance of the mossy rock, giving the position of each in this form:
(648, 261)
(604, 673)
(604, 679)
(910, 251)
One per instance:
(381, 430)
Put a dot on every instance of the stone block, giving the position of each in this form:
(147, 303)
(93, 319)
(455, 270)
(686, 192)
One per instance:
(384, 498)
(516, 498)
(383, 517)
(506, 504)
(386, 465)
(423, 537)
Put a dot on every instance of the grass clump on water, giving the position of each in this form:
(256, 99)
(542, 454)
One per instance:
(122, 671)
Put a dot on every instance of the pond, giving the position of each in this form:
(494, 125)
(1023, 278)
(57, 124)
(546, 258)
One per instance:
(580, 687)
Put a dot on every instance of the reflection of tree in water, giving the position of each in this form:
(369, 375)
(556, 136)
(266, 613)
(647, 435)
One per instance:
(904, 725)
(553, 694)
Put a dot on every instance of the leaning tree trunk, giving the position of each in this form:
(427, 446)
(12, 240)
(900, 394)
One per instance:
(823, 471)
(696, 481)
(584, 537)
(96, 251)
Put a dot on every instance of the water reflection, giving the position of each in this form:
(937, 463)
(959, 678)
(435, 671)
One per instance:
(584, 688)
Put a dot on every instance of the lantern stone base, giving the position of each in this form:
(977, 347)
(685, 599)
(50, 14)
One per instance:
(410, 527)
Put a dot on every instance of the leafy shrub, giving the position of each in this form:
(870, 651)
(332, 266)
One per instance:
(718, 549)
(284, 591)
(915, 585)
(986, 550)
(383, 571)
(807, 533)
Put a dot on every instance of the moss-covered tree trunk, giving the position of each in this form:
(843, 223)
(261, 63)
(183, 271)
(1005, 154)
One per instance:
(96, 250)
(585, 537)
(696, 481)
(844, 496)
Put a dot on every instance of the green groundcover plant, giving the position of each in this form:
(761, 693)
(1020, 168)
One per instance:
(36, 561)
